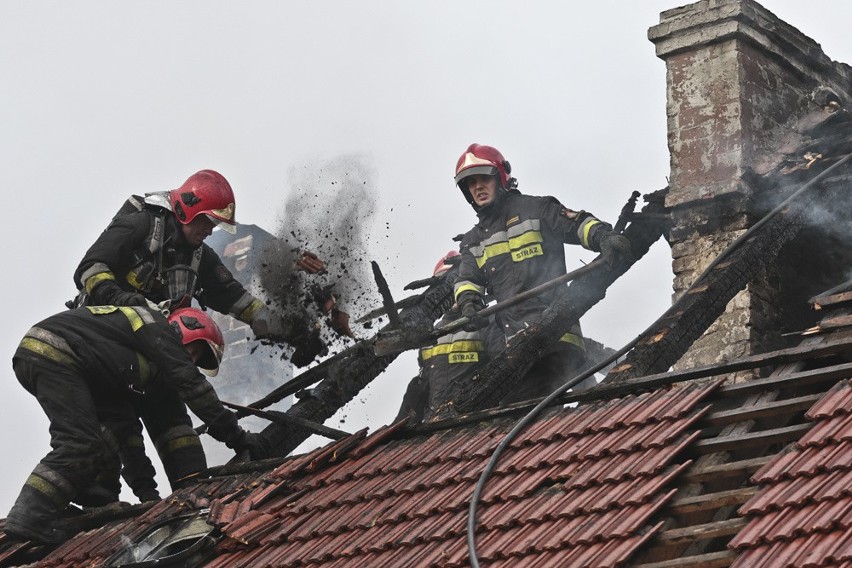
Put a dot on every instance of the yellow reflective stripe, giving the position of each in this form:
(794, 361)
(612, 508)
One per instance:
(525, 239)
(134, 442)
(48, 489)
(135, 321)
(97, 279)
(247, 315)
(47, 351)
(492, 251)
(175, 444)
(144, 369)
(512, 245)
(101, 310)
(133, 280)
(573, 339)
(455, 347)
(467, 287)
(587, 227)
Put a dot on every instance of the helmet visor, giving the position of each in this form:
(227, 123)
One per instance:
(224, 225)
(476, 170)
(210, 359)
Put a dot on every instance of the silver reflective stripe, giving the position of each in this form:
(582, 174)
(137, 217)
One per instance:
(135, 203)
(196, 258)
(465, 285)
(460, 336)
(240, 305)
(584, 231)
(503, 236)
(51, 339)
(96, 268)
(56, 479)
(144, 314)
(155, 243)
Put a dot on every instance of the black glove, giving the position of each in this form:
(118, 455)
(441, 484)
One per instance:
(268, 325)
(129, 299)
(256, 445)
(145, 495)
(308, 347)
(470, 310)
(615, 247)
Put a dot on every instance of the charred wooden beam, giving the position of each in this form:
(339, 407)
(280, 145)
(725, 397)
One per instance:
(503, 372)
(344, 378)
(664, 344)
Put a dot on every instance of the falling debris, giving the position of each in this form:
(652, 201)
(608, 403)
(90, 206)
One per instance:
(329, 211)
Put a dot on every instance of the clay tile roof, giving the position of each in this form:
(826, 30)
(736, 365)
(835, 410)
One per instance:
(404, 502)
(582, 486)
(802, 517)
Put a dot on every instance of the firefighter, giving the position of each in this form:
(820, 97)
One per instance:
(445, 366)
(518, 244)
(154, 250)
(79, 362)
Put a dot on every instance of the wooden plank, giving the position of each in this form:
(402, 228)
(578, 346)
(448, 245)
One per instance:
(751, 439)
(825, 347)
(834, 321)
(715, 472)
(833, 373)
(706, 531)
(711, 501)
(821, 302)
(721, 559)
(775, 408)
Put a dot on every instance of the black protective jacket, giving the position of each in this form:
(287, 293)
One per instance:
(134, 254)
(454, 358)
(126, 352)
(517, 245)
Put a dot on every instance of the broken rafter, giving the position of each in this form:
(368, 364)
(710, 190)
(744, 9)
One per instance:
(672, 335)
(348, 374)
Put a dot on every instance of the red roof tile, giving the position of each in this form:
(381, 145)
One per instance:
(803, 515)
(581, 486)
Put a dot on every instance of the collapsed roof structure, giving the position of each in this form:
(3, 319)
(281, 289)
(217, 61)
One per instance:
(721, 439)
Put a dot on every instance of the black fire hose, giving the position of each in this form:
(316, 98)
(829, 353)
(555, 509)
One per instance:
(532, 414)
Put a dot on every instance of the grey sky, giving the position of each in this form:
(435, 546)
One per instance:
(99, 100)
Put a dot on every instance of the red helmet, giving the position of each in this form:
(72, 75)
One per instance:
(443, 266)
(206, 192)
(479, 159)
(194, 325)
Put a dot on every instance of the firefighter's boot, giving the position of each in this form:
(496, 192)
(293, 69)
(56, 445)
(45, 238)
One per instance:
(33, 517)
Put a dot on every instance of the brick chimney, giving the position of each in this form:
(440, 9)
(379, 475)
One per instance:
(737, 79)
